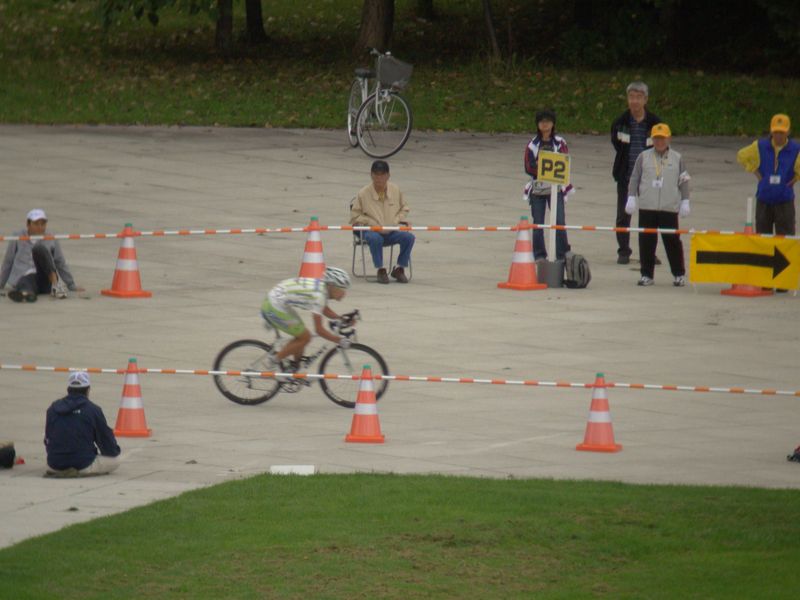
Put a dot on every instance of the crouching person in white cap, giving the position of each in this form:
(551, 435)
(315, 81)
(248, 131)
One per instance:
(33, 268)
(77, 437)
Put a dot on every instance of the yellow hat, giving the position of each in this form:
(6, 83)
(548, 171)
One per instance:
(780, 122)
(660, 130)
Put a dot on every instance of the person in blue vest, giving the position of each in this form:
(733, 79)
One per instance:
(775, 161)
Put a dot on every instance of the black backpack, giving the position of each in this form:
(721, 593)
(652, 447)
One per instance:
(576, 271)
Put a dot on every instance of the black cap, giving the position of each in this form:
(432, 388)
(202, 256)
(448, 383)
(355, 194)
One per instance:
(546, 114)
(380, 166)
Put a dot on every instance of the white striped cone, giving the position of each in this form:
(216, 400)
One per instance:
(313, 261)
(522, 275)
(599, 435)
(366, 427)
(130, 418)
(127, 283)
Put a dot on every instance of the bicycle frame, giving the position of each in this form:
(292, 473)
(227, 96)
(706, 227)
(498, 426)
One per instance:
(308, 360)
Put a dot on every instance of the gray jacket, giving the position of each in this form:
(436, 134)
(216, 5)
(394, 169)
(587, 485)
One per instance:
(19, 261)
(651, 167)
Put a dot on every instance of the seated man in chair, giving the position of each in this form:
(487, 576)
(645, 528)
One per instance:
(381, 204)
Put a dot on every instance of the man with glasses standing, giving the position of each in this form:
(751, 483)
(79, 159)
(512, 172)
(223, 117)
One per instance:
(630, 136)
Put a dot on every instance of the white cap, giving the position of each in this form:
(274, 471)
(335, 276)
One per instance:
(78, 379)
(36, 214)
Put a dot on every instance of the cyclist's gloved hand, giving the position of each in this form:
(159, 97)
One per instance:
(345, 343)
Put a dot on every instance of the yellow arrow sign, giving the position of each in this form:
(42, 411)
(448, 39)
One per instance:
(746, 260)
(553, 167)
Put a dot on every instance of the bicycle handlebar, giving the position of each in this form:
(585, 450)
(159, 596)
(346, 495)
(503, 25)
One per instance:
(346, 326)
(375, 52)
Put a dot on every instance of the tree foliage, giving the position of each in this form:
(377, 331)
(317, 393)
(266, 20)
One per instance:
(112, 10)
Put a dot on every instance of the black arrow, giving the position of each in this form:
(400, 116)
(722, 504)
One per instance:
(777, 262)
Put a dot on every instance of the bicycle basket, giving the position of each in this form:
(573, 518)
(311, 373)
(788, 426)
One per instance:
(394, 73)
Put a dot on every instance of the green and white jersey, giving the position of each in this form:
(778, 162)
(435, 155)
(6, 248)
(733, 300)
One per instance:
(302, 293)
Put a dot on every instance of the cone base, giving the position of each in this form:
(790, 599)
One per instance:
(599, 448)
(522, 286)
(748, 291)
(365, 439)
(134, 294)
(133, 433)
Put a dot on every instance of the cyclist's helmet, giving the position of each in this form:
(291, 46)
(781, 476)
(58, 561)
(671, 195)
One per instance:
(336, 277)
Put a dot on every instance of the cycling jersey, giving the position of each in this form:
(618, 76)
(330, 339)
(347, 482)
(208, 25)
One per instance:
(282, 301)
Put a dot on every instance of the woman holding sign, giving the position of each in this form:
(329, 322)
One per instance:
(537, 193)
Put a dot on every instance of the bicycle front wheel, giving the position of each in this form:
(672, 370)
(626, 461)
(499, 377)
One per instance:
(383, 124)
(350, 362)
(353, 104)
(245, 355)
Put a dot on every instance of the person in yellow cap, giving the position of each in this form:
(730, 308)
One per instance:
(659, 188)
(775, 161)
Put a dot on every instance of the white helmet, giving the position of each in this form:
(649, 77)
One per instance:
(336, 277)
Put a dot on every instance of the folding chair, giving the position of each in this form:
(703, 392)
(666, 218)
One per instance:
(359, 241)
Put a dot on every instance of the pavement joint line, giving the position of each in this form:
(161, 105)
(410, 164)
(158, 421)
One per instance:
(416, 378)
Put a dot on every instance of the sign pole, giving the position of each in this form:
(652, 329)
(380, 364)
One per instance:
(551, 238)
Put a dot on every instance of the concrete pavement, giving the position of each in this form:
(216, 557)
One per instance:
(450, 321)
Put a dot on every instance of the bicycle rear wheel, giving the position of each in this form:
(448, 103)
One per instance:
(350, 362)
(245, 355)
(353, 104)
(383, 124)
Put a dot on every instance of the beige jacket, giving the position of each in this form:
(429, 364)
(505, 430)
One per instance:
(368, 209)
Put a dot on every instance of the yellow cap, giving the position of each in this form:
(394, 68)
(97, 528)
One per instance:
(780, 122)
(660, 130)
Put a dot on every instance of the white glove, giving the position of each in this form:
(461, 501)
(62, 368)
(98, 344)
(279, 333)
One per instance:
(630, 205)
(684, 210)
(345, 343)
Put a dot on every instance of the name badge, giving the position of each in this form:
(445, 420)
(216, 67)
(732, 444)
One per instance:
(774, 179)
(658, 183)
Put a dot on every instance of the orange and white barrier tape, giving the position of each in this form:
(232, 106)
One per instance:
(439, 228)
(420, 378)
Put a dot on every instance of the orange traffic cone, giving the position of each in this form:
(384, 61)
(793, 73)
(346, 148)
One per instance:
(599, 435)
(130, 418)
(738, 289)
(366, 427)
(127, 283)
(313, 260)
(522, 275)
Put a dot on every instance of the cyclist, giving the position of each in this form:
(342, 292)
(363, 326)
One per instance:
(281, 304)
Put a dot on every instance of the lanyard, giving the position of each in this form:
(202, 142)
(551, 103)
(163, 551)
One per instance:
(659, 163)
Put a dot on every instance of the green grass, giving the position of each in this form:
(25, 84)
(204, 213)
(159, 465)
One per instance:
(385, 536)
(57, 65)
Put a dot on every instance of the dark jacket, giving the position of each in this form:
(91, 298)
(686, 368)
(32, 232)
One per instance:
(620, 129)
(76, 428)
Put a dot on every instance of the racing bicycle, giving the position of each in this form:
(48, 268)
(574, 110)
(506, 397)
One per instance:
(378, 117)
(253, 357)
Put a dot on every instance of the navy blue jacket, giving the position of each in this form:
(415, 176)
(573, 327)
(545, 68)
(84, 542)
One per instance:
(75, 430)
(620, 139)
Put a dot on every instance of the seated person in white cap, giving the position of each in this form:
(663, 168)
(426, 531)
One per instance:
(33, 268)
(77, 437)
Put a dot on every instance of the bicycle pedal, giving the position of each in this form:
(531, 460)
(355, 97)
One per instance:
(291, 387)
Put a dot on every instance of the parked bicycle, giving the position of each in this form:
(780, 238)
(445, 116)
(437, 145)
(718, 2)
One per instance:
(378, 117)
(253, 356)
